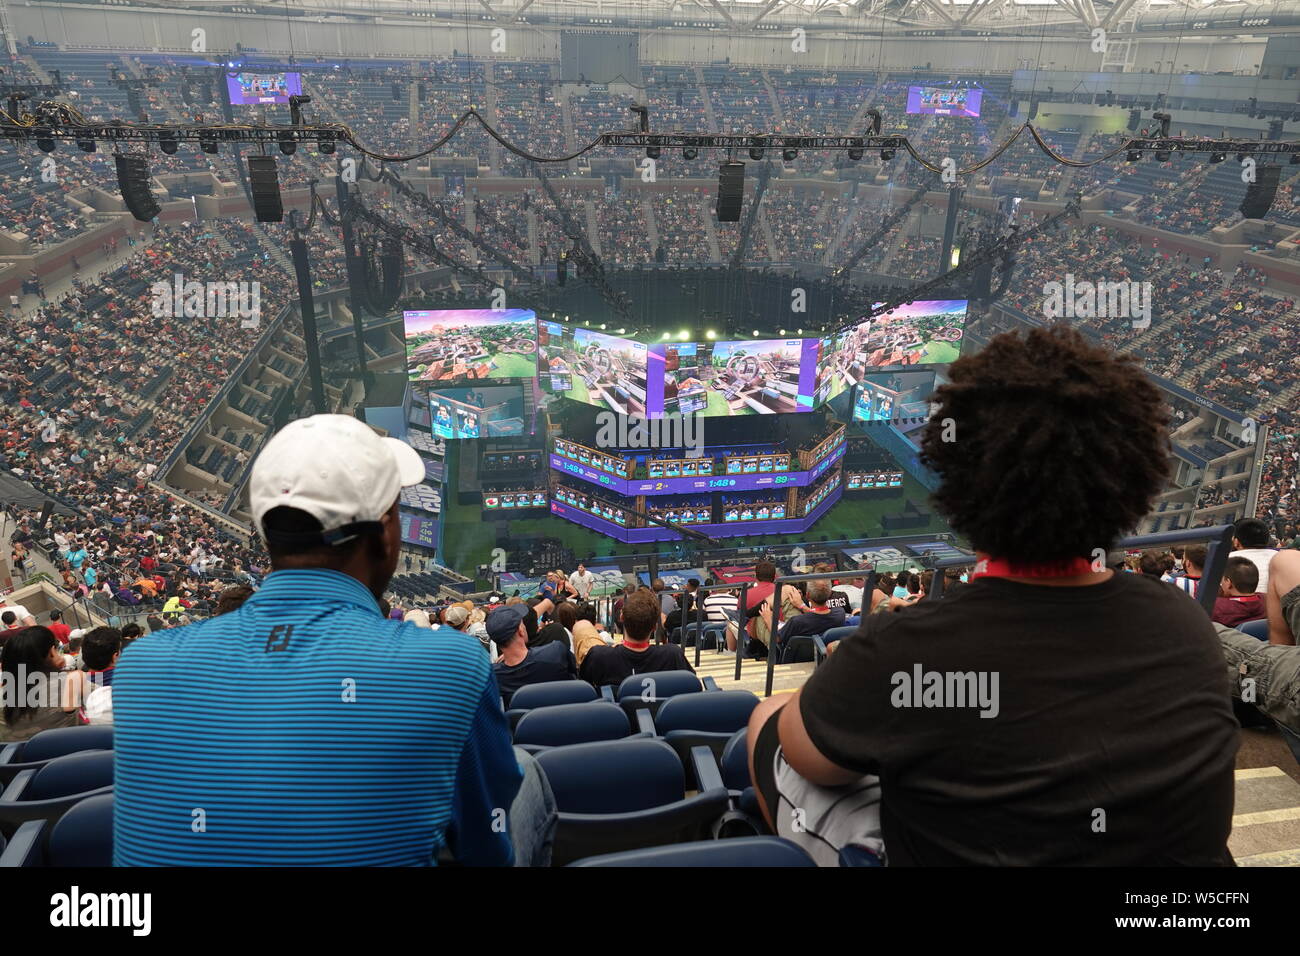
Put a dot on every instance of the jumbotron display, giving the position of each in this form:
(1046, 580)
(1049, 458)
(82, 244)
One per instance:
(944, 101)
(255, 89)
(458, 346)
(746, 377)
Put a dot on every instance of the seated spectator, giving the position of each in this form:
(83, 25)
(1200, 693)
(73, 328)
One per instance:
(232, 598)
(818, 620)
(89, 693)
(1250, 540)
(1061, 641)
(33, 669)
(1237, 601)
(1283, 598)
(608, 666)
(1193, 564)
(324, 496)
(520, 664)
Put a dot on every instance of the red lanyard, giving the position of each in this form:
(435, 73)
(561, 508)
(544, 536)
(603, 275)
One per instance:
(1002, 568)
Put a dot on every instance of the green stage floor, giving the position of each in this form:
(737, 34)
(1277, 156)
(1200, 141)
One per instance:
(468, 539)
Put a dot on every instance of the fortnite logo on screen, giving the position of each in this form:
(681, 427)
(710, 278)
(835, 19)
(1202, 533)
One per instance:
(673, 430)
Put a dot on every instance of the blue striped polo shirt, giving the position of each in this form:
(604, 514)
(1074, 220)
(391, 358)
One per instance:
(304, 729)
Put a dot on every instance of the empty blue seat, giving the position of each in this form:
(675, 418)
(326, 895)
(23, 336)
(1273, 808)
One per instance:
(49, 744)
(550, 693)
(47, 793)
(82, 837)
(570, 724)
(658, 685)
(744, 851)
(1257, 629)
(627, 794)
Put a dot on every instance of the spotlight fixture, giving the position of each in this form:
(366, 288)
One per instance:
(789, 155)
(86, 145)
(690, 153)
(886, 155)
(288, 145)
(44, 141)
(1133, 155)
(1162, 156)
(326, 146)
(168, 142)
(209, 145)
(653, 152)
(756, 148)
(855, 153)
(1217, 157)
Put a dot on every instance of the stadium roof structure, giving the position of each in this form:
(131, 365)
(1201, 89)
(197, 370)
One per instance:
(917, 17)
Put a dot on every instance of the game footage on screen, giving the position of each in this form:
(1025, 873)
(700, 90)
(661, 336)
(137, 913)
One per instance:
(482, 412)
(760, 377)
(894, 396)
(467, 345)
(944, 101)
(252, 89)
(590, 367)
(920, 333)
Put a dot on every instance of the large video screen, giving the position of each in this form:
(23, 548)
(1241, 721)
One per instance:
(252, 89)
(891, 396)
(944, 101)
(919, 333)
(457, 346)
(753, 377)
(592, 367)
(487, 412)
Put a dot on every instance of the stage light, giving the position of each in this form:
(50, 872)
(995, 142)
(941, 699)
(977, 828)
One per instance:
(44, 141)
(689, 153)
(602, 326)
(1162, 156)
(288, 145)
(684, 335)
(855, 153)
(886, 155)
(781, 332)
(664, 337)
(710, 335)
(1217, 157)
(209, 145)
(86, 145)
(755, 148)
(789, 155)
(326, 146)
(1133, 155)
(756, 333)
(168, 142)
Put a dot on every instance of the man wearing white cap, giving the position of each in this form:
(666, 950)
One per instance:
(304, 749)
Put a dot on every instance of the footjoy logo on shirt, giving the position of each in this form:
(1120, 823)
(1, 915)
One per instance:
(77, 909)
(955, 689)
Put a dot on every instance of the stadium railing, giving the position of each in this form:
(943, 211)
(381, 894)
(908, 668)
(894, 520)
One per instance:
(1218, 541)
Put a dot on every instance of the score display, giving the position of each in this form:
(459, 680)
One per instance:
(513, 500)
(868, 480)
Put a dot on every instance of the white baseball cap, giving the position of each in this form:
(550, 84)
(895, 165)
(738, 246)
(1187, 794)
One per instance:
(336, 469)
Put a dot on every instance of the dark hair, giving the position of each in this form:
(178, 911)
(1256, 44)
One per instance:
(155, 623)
(692, 582)
(1194, 554)
(282, 521)
(99, 646)
(1251, 532)
(1044, 462)
(640, 616)
(765, 571)
(131, 632)
(26, 652)
(657, 584)
(55, 615)
(567, 615)
(233, 598)
(586, 612)
(1243, 574)
(1152, 564)
(8, 617)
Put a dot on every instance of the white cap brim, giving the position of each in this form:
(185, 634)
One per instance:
(410, 466)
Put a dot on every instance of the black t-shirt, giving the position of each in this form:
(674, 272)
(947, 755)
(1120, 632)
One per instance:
(1113, 741)
(554, 631)
(552, 661)
(608, 666)
(838, 601)
(810, 622)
